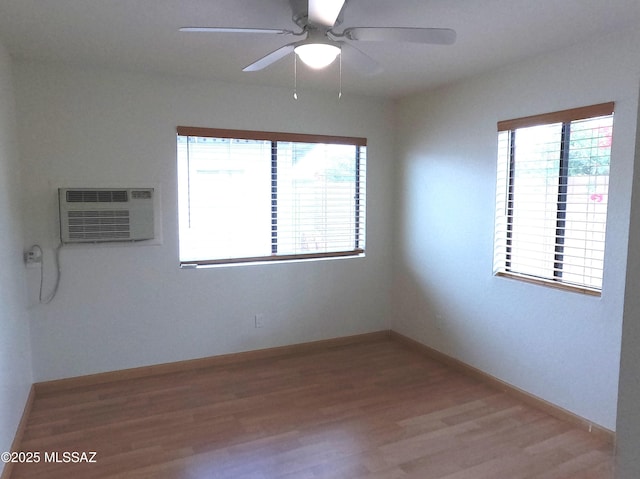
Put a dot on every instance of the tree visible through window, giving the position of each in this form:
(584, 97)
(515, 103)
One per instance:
(257, 196)
(551, 209)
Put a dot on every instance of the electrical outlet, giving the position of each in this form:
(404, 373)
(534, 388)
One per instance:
(33, 257)
(259, 320)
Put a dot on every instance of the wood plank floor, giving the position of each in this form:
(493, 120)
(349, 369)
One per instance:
(375, 410)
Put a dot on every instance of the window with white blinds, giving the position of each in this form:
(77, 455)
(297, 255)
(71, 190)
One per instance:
(552, 196)
(248, 196)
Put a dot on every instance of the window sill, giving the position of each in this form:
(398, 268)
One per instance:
(551, 284)
(271, 259)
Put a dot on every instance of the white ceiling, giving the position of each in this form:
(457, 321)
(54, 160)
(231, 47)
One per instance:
(142, 35)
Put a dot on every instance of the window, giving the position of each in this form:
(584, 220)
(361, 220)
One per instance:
(247, 196)
(552, 195)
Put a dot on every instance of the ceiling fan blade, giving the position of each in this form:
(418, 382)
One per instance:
(235, 30)
(435, 36)
(325, 12)
(360, 61)
(270, 58)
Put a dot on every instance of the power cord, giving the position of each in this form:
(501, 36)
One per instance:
(56, 257)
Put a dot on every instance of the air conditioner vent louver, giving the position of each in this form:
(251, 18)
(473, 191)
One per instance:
(97, 215)
(95, 225)
(97, 196)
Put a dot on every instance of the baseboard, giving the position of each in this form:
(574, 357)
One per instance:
(524, 396)
(303, 348)
(212, 361)
(17, 439)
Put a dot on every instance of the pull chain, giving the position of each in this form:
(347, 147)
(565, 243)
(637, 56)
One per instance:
(340, 89)
(295, 76)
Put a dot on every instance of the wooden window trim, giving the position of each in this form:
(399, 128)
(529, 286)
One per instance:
(601, 109)
(550, 283)
(268, 259)
(269, 136)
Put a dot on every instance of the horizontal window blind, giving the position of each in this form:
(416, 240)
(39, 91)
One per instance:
(552, 196)
(260, 196)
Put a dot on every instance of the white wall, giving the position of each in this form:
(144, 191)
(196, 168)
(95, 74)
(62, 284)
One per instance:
(561, 346)
(128, 306)
(15, 349)
(628, 421)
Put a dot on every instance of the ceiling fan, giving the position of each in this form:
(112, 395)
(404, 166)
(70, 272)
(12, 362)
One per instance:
(321, 41)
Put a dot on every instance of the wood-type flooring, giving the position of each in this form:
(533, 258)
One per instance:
(374, 410)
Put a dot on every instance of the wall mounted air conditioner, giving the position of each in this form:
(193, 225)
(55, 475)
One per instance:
(95, 215)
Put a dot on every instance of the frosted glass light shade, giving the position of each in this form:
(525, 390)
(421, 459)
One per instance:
(317, 55)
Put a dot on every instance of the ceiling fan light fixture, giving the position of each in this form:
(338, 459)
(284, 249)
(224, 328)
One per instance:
(317, 55)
